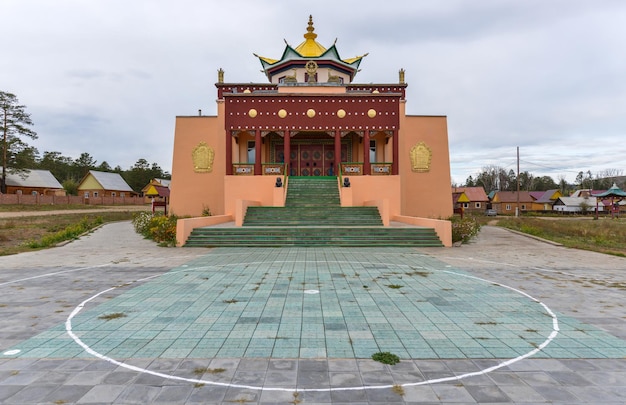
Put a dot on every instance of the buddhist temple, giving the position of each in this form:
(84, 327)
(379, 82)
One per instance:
(310, 121)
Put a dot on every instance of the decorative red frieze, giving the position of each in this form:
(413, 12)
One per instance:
(236, 88)
(349, 111)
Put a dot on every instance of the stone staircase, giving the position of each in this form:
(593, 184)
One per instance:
(313, 216)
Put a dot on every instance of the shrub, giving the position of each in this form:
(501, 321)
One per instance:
(141, 222)
(464, 229)
(158, 227)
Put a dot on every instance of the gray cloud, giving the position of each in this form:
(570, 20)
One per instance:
(544, 76)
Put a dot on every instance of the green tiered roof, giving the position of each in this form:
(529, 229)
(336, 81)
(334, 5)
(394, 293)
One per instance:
(309, 49)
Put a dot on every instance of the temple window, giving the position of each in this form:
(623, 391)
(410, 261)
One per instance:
(251, 152)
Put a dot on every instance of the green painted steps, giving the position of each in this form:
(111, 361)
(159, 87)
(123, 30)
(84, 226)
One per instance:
(312, 216)
(313, 236)
(301, 216)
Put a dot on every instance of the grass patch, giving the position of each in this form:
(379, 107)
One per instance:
(604, 235)
(31, 233)
(386, 358)
(70, 232)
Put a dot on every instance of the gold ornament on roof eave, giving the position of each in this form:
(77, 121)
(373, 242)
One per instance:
(203, 156)
(421, 156)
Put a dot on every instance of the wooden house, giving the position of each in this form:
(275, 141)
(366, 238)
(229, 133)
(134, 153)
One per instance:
(103, 184)
(544, 200)
(578, 205)
(470, 199)
(506, 202)
(34, 182)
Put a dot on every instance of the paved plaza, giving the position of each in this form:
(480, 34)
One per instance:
(112, 318)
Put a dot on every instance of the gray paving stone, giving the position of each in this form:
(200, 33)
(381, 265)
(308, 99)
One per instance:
(173, 394)
(138, 394)
(487, 394)
(67, 394)
(539, 379)
(522, 394)
(103, 393)
(557, 394)
(8, 391)
(31, 394)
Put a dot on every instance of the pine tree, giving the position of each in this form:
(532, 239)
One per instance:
(15, 121)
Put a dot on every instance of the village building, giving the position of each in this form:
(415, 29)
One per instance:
(96, 184)
(470, 199)
(311, 120)
(576, 205)
(34, 182)
(544, 200)
(511, 202)
(156, 190)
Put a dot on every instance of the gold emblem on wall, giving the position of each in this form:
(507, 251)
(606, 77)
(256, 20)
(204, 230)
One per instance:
(202, 156)
(420, 158)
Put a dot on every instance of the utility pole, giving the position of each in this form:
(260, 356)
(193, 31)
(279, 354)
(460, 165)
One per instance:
(3, 181)
(517, 181)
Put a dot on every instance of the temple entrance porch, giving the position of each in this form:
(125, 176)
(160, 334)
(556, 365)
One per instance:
(314, 153)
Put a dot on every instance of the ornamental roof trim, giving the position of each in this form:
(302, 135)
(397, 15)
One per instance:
(310, 49)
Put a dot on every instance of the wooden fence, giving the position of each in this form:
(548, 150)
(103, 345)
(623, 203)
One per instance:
(29, 199)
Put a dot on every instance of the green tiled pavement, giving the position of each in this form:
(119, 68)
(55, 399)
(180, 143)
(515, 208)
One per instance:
(320, 303)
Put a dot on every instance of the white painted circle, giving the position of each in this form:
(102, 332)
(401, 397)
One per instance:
(505, 363)
(311, 291)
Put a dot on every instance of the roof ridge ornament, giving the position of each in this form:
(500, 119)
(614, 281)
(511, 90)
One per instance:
(310, 29)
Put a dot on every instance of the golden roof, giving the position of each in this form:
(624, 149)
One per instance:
(310, 48)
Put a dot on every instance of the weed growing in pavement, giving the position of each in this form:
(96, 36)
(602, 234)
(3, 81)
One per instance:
(397, 389)
(206, 370)
(386, 358)
(115, 315)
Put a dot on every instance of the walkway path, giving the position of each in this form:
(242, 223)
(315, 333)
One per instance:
(111, 318)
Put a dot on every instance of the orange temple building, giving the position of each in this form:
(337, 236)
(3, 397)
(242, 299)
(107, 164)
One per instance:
(311, 120)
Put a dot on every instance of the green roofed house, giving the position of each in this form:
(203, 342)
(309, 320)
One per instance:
(103, 184)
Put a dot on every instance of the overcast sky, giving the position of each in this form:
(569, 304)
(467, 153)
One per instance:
(108, 77)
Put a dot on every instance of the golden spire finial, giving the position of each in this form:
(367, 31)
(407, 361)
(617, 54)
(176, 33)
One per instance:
(310, 34)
